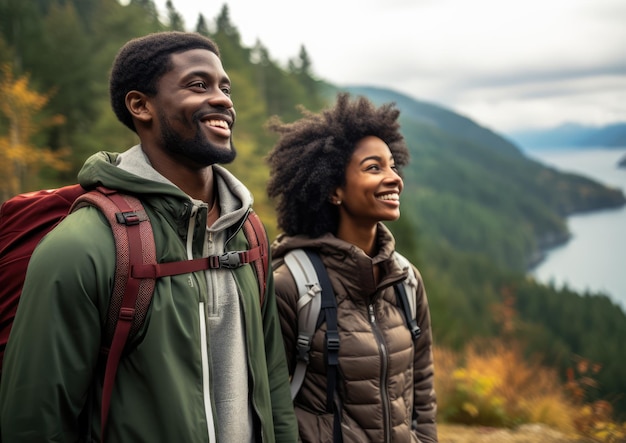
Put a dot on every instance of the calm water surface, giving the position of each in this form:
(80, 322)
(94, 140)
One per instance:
(595, 258)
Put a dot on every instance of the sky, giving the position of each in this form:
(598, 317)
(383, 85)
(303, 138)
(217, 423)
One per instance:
(507, 65)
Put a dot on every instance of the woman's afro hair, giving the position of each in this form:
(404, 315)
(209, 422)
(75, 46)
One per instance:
(310, 158)
(141, 62)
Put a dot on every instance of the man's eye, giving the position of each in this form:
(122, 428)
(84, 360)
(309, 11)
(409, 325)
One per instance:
(226, 90)
(201, 85)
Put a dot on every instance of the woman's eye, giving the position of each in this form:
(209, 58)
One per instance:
(373, 168)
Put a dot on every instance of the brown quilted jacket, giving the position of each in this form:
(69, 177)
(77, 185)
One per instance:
(385, 385)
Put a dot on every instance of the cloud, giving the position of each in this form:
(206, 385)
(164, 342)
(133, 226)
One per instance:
(508, 65)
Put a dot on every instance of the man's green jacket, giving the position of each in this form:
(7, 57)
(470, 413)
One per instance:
(183, 378)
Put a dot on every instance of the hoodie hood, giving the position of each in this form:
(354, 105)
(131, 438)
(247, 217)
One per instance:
(103, 169)
(131, 172)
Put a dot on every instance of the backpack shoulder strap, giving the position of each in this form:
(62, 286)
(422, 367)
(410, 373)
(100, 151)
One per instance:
(312, 279)
(309, 304)
(134, 245)
(131, 297)
(329, 314)
(406, 295)
(257, 238)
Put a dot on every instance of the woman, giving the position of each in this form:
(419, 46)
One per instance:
(335, 178)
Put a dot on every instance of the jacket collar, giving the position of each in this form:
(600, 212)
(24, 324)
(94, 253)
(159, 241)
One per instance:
(350, 263)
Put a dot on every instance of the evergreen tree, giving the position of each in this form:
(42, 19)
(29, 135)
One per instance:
(66, 39)
(176, 21)
(224, 25)
(20, 27)
(202, 27)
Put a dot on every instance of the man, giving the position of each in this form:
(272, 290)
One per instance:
(208, 363)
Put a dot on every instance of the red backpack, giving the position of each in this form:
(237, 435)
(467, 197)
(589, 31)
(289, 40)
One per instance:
(25, 219)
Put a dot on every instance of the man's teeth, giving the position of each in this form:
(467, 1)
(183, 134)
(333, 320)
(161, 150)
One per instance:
(389, 197)
(219, 123)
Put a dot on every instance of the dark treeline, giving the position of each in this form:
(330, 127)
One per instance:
(472, 241)
(66, 47)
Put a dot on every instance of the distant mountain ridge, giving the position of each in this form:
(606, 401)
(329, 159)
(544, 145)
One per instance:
(438, 116)
(475, 191)
(572, 135)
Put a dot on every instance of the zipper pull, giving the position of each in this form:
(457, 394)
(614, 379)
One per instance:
(370, 309)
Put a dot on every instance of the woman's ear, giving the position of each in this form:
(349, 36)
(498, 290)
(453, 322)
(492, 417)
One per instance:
(137, 105)
(336, 197)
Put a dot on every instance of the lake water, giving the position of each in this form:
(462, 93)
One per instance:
(595, 257)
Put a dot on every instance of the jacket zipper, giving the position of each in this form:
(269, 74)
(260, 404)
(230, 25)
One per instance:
(190, 230)
(206, 375)
(211, 279)
(384, 397)
(211, 300)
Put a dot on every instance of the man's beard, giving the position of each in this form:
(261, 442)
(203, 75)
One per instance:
(197, 149)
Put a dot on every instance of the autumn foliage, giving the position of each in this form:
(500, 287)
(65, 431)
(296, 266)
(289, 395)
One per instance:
(21, 106)
(492, 382)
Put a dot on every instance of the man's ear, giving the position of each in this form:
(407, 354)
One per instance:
(137, 105)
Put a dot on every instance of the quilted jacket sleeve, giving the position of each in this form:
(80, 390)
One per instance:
(425, 402)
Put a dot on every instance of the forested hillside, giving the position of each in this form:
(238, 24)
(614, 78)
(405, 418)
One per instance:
(476, 211)
(512, 207)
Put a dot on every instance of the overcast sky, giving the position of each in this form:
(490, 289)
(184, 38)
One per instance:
(508, 65)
